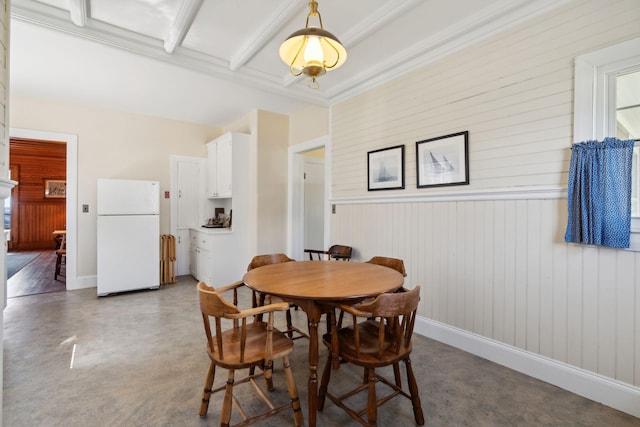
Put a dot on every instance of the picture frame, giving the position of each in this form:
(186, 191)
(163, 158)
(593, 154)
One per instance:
(385, 168)
(55, 189)
(443, 160)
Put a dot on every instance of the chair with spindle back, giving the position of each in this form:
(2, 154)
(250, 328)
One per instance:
(335, 252)
(383, 339)
(246, 345)
(267, 259)
(395, 263)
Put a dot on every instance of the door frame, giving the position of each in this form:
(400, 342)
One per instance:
(72, 195)
(174, 159)
(295, 199)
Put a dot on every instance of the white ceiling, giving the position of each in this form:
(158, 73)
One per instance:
(212, 61)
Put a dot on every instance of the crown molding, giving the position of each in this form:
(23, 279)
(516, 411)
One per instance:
(499, 17)
(99, 32)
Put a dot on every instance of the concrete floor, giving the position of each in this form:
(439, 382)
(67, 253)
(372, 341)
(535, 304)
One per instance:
(138, 359)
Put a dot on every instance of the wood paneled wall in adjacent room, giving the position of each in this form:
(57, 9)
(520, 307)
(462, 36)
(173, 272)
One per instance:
(34, 216)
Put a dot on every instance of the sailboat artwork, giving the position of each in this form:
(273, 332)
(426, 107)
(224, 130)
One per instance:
(386, 171)
(443, 160)
(438, 167)
(385, 168)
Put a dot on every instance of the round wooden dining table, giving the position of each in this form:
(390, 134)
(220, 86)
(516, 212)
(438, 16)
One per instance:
(311, 285)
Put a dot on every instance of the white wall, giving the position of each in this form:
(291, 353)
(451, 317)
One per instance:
(5, 190)
(112, 144)
(490, 257)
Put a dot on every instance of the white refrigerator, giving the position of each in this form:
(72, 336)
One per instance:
(128, 235)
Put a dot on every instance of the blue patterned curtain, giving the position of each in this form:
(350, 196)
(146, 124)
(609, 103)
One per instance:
(600, 193)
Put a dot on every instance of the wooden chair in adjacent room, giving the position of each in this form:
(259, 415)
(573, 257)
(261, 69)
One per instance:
(246, 345)
(335, 252)
(262, 260)
(61, 257)
(383, 339)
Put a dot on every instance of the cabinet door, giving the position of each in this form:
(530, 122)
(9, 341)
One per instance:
(205, 269)
(223, 168)
(193, 261)
(212, 169)
(188, 193)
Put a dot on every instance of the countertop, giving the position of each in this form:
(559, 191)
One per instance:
(213, 231)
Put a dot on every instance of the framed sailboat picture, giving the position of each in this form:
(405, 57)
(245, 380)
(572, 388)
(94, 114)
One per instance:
(385, 168)
(443, 160)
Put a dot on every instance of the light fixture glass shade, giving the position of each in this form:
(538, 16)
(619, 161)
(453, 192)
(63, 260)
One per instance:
(311, 51)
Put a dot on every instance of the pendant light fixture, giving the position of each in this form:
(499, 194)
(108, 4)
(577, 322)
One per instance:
(313, 50)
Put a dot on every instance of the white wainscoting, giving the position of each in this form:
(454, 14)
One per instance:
(497, 276)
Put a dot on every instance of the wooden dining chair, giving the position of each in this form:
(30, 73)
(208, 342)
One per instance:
(335, 252)
(61, 257)
(246, 345)
(261, 260)
(383, 339)
(395, 263)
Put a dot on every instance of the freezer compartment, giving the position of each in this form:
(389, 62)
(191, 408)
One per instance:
(128, 197)
(128, 253)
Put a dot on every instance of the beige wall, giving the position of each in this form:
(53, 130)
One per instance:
(272, 182)
(268, 172)
(490, 256)
(307, 124)
(112, 144)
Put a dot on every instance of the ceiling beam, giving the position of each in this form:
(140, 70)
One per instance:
(57, 19)
(79, 12)
(272, 26)
(183, 22)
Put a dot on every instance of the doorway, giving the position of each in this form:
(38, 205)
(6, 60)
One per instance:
(313, 178)
(308, 225)
(35, 217)
(71, 198)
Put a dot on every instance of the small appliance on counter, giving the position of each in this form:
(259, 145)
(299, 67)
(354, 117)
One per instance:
(220, 220)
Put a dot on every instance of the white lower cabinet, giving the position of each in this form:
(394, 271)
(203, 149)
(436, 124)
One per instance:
(201, 258)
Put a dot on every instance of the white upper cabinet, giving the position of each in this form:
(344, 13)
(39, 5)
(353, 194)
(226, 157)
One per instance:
(219, 158)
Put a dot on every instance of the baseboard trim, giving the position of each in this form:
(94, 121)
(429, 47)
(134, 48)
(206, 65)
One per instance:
(609, 392)
(83, 282)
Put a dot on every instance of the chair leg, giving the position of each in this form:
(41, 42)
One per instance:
(396, 374)
(324, 382)
(293, 393)
(206, 394)
(372, 403)
(268, 374)
(58, 266)
(415, 396)
(227, 403)
(289, 324)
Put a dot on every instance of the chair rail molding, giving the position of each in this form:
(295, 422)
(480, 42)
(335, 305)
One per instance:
(508, 193)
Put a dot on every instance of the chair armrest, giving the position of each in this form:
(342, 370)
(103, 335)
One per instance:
(278, 306)
(351, 309)
(316, 251)
(234, 285)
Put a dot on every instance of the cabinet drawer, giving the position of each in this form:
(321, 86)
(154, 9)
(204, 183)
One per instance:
(201, 240)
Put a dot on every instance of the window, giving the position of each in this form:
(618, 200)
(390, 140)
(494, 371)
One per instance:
(607, 103)
(626, 119)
